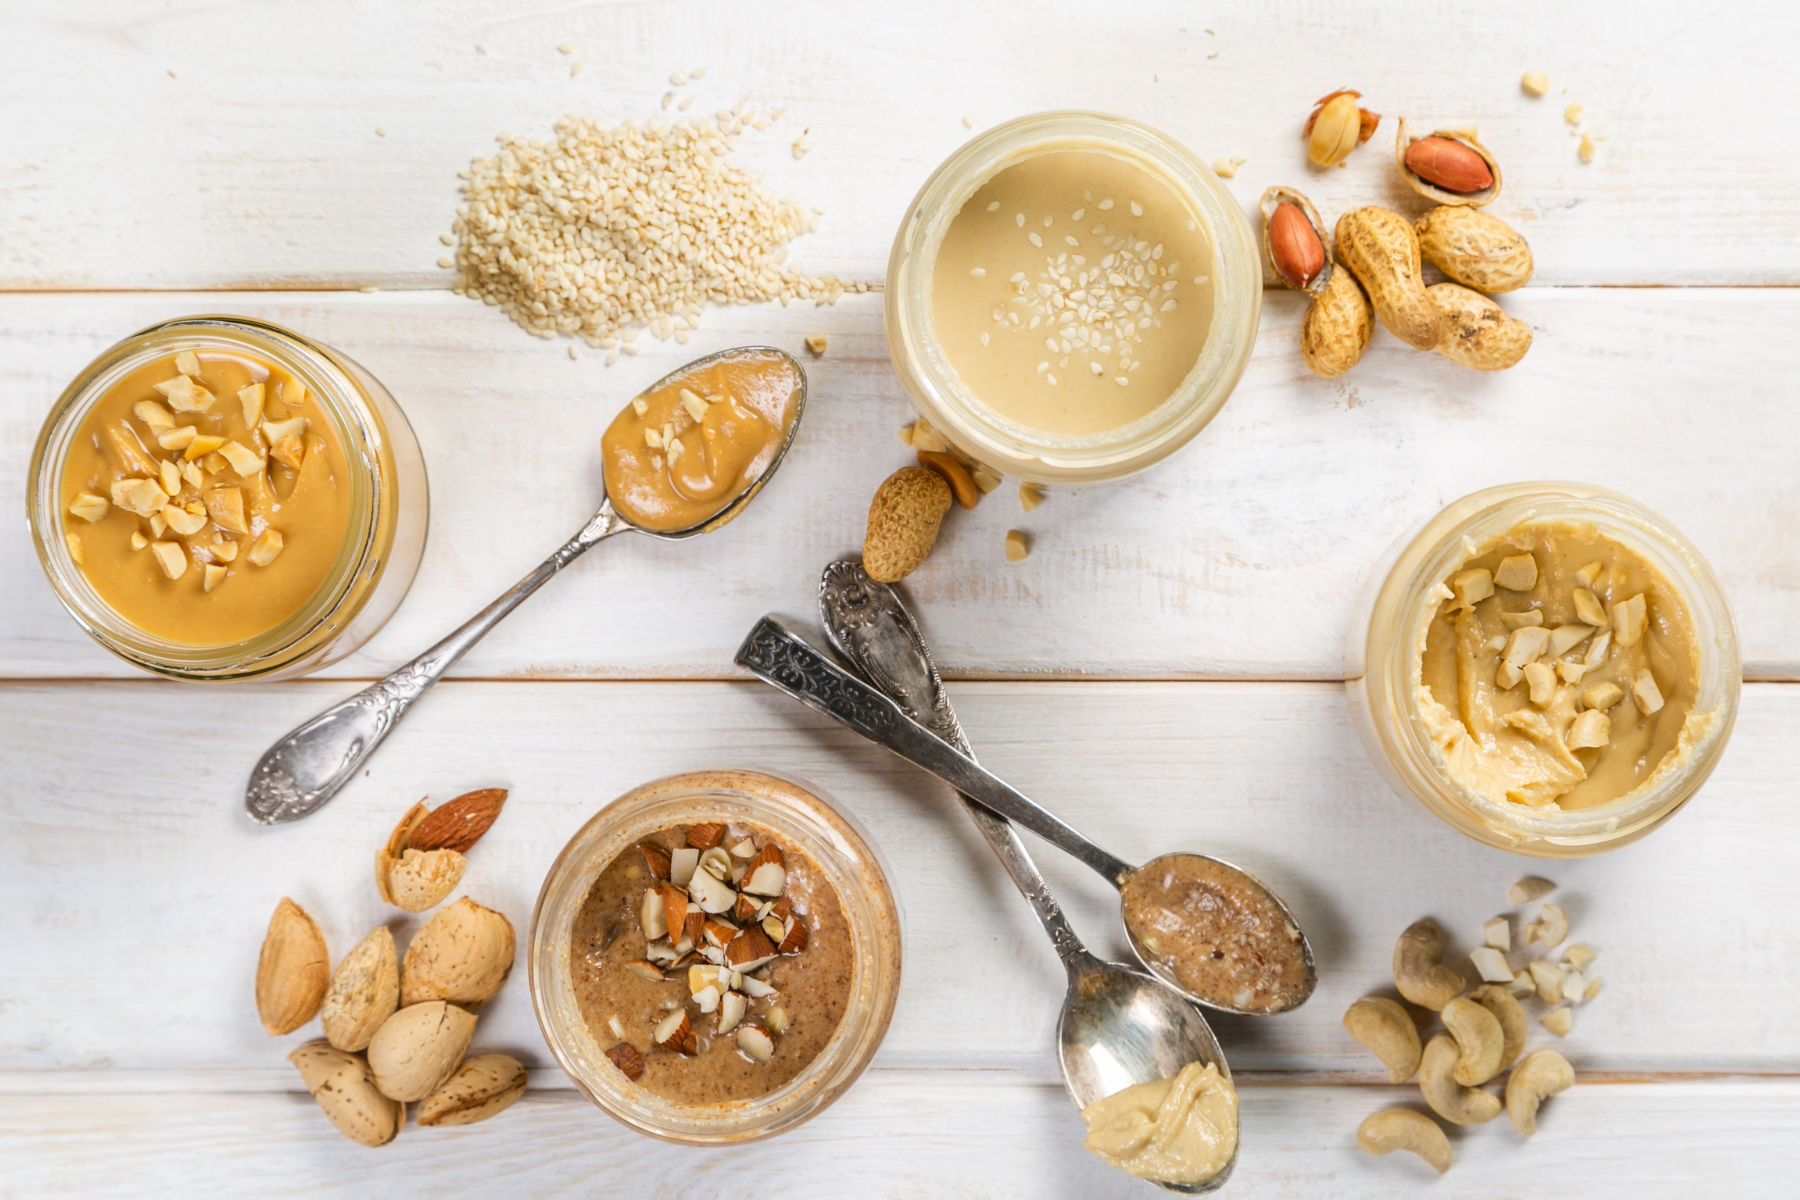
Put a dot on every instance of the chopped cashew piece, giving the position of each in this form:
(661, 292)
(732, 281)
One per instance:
(251, 397)
(1593, 989)
(1521, 985)
(1565, 638)
(212, 577)
(1548, 980)
(170, 557)
(157, 525)
(89, 507)
(191, 473)
(1570, 672)
(1580, 956)
(1591, 730)
(1589, 608)
(1016, 546)
(264, 549)
(224, 549)
(1596, 651)
(1646, 694)
(1491, 964)
(184, 395)
(1528, 889)
(1518, 573)
(1519, 620)
(1472, 586)
(1498, 934)
(1559, 1021)
(1522, 648)
(1030, 495)
(1553, 925)
(1629, 618)
(1572, 985)
(1602, 696)
(155, 416)
(1586, 576)
(1540, 677)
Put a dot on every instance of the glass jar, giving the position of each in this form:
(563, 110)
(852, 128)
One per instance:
(388, 507)
(795, 815)
(976, 428)
(1383, 670)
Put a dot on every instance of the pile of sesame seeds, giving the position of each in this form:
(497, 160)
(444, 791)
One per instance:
(1090, 310)
(601, 232)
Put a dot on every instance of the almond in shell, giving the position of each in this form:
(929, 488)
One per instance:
(345, 1088)
(482, 1087)
(416, 879)
(463, 955)
(292, 972)
(418, 1048)
(364, 991)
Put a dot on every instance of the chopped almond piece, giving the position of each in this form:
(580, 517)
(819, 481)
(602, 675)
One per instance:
(73, 541)
(184, 395)
(183, 522)
(89, 507)
(157, 418)
(140, 496)
(694, 928)
(265, 548)
(673, 1031)
(171, 558)
(212, 577)
(753, 1040)
(290, 451)
(628, 1059)
(243, 460)
(675, 907)
(705, 835)
(749, 950)
(796, 938)
(226, 507)
(765, 875)
(1030, 495)
(700, 977)
(656, 858)
(731, 1012)
(201, 445)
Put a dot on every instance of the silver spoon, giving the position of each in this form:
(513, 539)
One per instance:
(305, 769)
(779, 657)
(1118, 1026)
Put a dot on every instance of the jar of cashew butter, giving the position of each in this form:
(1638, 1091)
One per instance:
(1071, 297)
(1549, 668)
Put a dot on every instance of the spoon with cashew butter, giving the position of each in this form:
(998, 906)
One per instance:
(682, 459)
(1209, 929)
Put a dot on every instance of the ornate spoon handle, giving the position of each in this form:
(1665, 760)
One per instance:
(779, 658)
(305, 769)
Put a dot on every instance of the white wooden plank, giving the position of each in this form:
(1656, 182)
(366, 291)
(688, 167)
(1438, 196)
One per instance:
(137, 891)
(1240, 557)
(160, 152)
(908, 1134)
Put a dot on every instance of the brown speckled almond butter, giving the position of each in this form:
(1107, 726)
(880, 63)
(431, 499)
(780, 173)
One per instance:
(903, 522)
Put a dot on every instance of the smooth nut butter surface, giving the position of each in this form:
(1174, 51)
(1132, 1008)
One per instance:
(1072, 292)
(810, 985)
(1178, 1130)
(1559, 669)
(676, 456)
(203, 497)
(1218, 932)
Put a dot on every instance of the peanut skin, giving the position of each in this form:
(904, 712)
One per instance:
(1477, 331)
(1337, 327)
(1474, 249)
(1379, 246)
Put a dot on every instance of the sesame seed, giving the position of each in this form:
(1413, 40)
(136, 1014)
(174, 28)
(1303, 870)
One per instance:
(1096, 368)
(1018, 277)
(1047, 219)
(1167, 305)
(1079, 213)
(1200, 280)
(1105, 205)
(575, 70)
(446, 261)
(1137, 210)
(446, 239)
(481, 47)
(978, 272)
(1121, 380)
(565, 47)
(1052, 380)
(999, 313)
(1036, 240)
(678, 78)
(993, 205)
(380, 132)
(968, 120)
(775, 114)
(368, 288)
(1019, 220)
(697, 73)
(1042, 367)
(574, 350)
(984, 339)
(687, 102)
(1067, 238)
(668, 99)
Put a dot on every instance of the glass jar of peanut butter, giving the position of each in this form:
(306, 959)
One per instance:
(219, 498)
(1071, 297)
(1549, 668)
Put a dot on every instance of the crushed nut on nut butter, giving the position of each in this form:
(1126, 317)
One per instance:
(680, 454)
(196, 457)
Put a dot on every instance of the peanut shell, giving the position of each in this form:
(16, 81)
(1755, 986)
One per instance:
(418, 1048)
(1474, 249)
(1477, 331)
(1337, 327)
(292, 971)
(1380, 248)
(364, 991)
(903, 522)
(482, 1087)
(345, 1088)
(463, 955)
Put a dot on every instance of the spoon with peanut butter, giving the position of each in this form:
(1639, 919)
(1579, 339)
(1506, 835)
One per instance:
(683, 458)
(1208, 929)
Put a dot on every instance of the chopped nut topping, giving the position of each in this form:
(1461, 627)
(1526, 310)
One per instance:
(1016, 546)
(212, 577)
(89, 507)
(157, 525)
(1520, 620)
(224, 549)
(170, 557)
(1603, 696)
(1030, 495)
(1498, 934)
(1629, 620)
(1518, 573)
(187, 362)
(251, 398)
(1646, 694)
(1541, 679)
(1565, 638)
(245, 461)
(138, 540)
(1591, 730)
(141, 496)
(1535, 83)
(1491, 964)
(1522, 649)
(1579, 956)
(276, 430)
(815, 341)
(73, 541)
(695, 406)
(214, 463)
(1560, 1021)
(290, 451)
(201, 445)
(265, 548)
(184, 395)
(226, 507)
(169, 475)
(176, 439)
(1528, 889)
(157, 418)
(1589, 608)
(640, 406)
(183, 522)
(1570, 672)
(1472, 586)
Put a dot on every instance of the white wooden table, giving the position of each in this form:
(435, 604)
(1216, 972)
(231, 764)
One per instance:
(1162, 670)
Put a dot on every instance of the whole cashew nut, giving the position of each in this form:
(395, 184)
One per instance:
(1507, 1010)
(1542, 1074)
(1478, 1036)
(1394, 1129)
(1449, 1099)
(1388, 1030)
(1418, 974)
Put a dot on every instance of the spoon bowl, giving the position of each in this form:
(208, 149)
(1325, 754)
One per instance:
(302, 771)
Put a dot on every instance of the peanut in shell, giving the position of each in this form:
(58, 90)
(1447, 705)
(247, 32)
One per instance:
(1337, 327)
(1474, 249)
(903, 522)
(1379, 247)
(1477, 331)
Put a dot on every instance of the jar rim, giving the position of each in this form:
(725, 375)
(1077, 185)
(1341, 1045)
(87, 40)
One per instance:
(333, 604)
(988, 435)
(1425, 560)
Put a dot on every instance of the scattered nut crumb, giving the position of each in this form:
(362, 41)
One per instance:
(1535, 83)
(801, 146)
(565, 47)
(697, 73)
(906, 434)
(574, 350)
(575, 69)
(968, 120)
(1227, 167)
(380, 131)
(73, 541)
(1030, 495)
(679, 78)
(1585, 151)
(481, 48)
(1572, 114)
(1016, 546)
(816, 343)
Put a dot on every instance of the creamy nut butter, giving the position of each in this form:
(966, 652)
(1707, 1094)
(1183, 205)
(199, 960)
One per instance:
(714, 961)
(203, 497)
(1178, 1130)
(1072, 292)
(1218, 932)
(1559, 669)
(678, 455)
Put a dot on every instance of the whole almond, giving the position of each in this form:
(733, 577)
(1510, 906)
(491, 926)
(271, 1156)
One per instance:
(345, 1088)
(1337, 327)
(417, 1048)
(292, 971)
(364, 991)
(1474, 249)
(1449, 165)
(1294, 247)
(1380, 248)
(1477, 331)
(459, 824)
(463, 955)
(903, 522)
(483, 1086)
